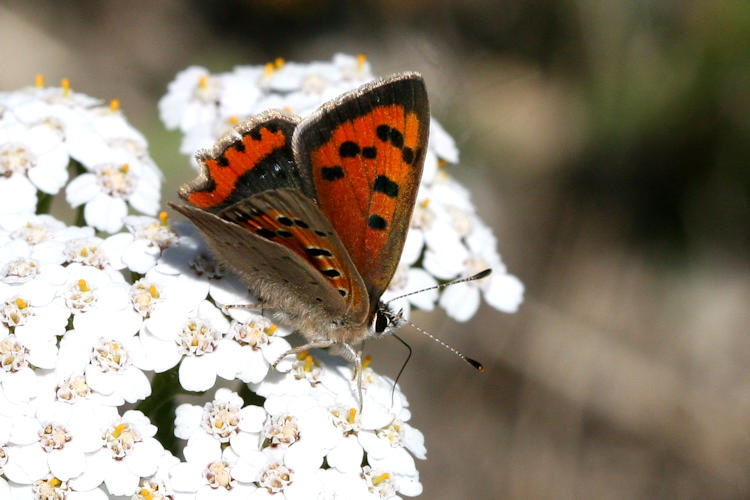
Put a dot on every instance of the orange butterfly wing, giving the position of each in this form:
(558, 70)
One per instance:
(249, 203)
(254, 158)
(362, 156)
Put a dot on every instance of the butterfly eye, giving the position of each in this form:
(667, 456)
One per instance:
(381, 322)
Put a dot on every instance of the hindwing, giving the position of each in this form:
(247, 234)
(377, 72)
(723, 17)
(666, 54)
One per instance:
(255, 157)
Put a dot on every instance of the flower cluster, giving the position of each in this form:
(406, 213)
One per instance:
(78, 341)
(95, 322)
(45, 129)
(447, 239)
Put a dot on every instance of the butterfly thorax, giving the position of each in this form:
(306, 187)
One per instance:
(314, 327)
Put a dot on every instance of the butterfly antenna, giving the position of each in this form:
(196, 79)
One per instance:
(473, 362)
(478, 276)
(403, 366)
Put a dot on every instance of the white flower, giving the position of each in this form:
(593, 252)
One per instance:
(501, 290)
(165, 301)
(46, 236)
(66, 433)
(441, 143)
(198, 342)
(158, 486)
(208, 469)
(89, 289)
(18, 195)
(107, 191)
(19, 263)
(277, 480)
(36, 320)
(408, 280)
(36, 152)
(255, 344)
(17, 380)
(191, 99)
(127, 453)
(147, 238)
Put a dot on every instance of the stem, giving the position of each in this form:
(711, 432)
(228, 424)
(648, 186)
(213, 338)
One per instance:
(43, 203)
(80, 218)
(160, 406)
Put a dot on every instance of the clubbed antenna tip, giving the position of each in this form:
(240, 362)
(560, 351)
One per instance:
(476, 364)
(481, 274)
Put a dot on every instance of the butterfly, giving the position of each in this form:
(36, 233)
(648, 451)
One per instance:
(312, 213)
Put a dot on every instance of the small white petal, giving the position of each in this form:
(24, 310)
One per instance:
(254, 367)
(202, 449)
(460, 301)
(249, 466)
(414, 441)
(82, 189)
(398, 460)
(408, 486)
(244, 442)
(186, 476)
(347, 455)
(105, 213)
(505, 292)
(252, 418)
(197, 373)
(145, 457)
(18, 195)
(20, 386)
(119, 480)
(93, 475)
(187, 420)
(133, 385)
(67, 463)
(28, 463)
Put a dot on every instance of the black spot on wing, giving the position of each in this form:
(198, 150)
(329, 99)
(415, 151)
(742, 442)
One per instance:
(377, 222)
(348, 149)
(370, 152)
(397, 138)
(383, 132)
(332, 173)
(386, 186)
(318, 252)
(407, 154)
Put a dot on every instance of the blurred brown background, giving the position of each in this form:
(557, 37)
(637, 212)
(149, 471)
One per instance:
(607, 142)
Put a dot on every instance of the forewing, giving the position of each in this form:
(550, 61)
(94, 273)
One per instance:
(255, 157)
(362, 156)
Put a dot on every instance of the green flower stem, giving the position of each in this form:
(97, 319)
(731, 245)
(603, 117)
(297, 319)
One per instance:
(160, 407)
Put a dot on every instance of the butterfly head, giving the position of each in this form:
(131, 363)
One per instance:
(385, 321)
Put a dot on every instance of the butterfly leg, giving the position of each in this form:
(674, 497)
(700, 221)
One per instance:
(320, 344)
(356, 357)
(247, 307)
(261, 306)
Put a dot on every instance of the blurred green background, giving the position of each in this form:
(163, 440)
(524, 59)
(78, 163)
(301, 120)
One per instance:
(607, 142)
